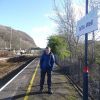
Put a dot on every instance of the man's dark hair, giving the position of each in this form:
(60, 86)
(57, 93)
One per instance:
(48, 47)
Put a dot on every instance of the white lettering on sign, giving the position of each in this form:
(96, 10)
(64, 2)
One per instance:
(88, 23)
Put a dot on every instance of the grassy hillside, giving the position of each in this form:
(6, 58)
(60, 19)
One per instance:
(18, 38)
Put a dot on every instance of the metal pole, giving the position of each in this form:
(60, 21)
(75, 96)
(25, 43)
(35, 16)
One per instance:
(20, 44)
(11, 40)
(5, 45)
(85, 69)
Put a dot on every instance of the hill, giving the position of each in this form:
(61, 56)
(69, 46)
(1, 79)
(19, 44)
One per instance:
(16, 38)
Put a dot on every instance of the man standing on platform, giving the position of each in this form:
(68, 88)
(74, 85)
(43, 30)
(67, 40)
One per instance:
(47, 61)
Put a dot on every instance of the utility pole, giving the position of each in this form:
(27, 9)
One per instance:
(5, 45)
(20, 44)
(85, 69)
(10, 38)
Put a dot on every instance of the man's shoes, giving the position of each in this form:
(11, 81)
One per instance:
(50, 91)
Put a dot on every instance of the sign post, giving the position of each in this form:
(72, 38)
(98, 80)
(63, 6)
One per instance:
(87, 24)
(85, 69)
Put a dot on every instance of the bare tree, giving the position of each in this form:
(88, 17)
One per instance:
(92, 5)
(65, 18)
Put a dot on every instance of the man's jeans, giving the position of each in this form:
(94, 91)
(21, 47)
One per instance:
(43, 73)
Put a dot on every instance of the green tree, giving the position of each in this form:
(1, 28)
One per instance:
(58, 46)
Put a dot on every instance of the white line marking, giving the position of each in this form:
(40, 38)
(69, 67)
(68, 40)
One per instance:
(15, 76)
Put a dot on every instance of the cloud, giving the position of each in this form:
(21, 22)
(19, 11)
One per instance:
(53, 14)
(49, 29)
(79, 11)
(41, 33)
(41, 30)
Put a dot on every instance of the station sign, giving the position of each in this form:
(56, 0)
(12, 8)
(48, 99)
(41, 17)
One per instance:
(88, 23)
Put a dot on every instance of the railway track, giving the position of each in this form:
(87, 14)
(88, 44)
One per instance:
(78, 88)
(4, 81)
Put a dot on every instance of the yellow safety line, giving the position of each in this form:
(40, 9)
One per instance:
(31, 83)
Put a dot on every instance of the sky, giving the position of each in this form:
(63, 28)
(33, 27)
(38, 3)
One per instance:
(30, 16)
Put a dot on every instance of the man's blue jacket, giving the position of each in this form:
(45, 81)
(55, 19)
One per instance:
(47, 61)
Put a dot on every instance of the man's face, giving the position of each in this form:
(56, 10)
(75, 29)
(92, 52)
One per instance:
(48, 50)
